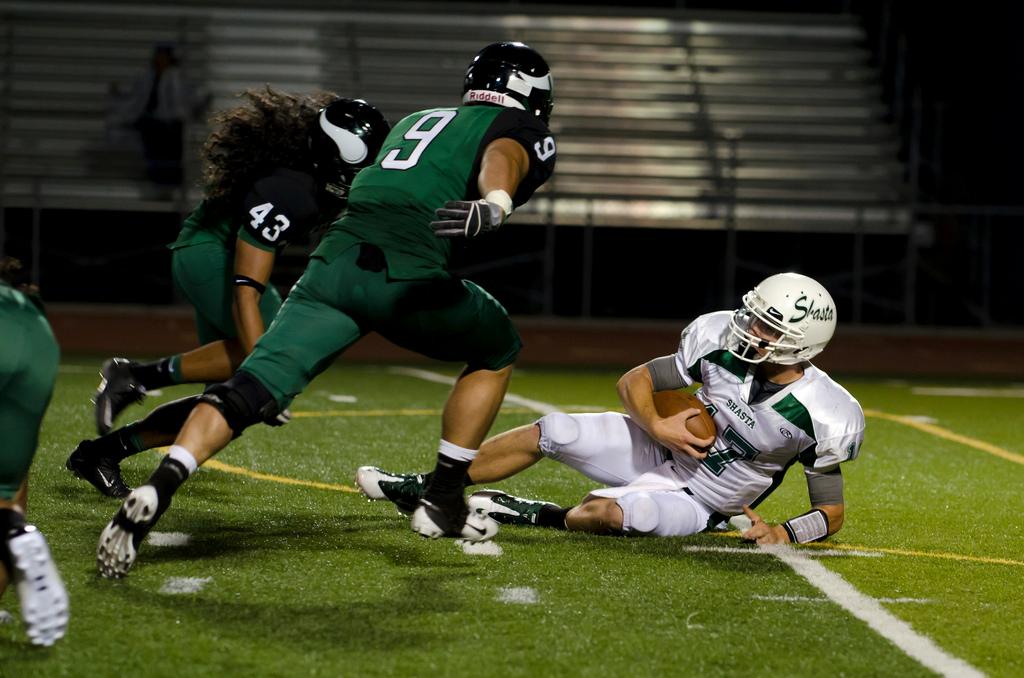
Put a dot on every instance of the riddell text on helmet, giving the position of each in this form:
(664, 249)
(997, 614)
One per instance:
(488, 97)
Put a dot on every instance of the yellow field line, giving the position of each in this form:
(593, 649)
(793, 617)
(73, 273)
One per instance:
(256, 475)
(922, 554)
(899, 552)
(239, 471)
(946, 434)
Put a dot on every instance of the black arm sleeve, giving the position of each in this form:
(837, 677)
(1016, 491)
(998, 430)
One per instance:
(534, 136)
(279, 208)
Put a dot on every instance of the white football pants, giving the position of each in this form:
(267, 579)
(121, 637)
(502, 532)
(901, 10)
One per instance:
(612, 449)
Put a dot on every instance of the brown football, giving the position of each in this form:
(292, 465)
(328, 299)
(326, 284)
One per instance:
(668, 403)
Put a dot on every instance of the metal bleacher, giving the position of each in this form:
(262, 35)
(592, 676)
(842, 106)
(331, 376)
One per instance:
(686, 120)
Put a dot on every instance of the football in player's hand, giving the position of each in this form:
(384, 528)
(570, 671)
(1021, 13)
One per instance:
(668, 403)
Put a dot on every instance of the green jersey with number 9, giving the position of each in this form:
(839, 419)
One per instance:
(429, 158)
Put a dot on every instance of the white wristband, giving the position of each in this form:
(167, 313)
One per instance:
(502, 199)
(809, 527)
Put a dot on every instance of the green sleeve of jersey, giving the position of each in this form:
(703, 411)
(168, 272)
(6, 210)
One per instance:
(245, 236)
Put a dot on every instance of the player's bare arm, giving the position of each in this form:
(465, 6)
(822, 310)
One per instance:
(503, 166)
(636, 391)
(252, 272)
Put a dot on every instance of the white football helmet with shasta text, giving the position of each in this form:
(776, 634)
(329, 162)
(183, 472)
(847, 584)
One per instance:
(786, 319)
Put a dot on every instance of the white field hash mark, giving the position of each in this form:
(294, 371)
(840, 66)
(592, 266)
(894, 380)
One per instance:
(518, 595)
(179, 585)
(867, 609)
(871, 612)
(168, 539)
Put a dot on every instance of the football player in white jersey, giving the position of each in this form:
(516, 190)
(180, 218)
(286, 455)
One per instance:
(771, 408)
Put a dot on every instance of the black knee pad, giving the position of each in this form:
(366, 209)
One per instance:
(243, 401)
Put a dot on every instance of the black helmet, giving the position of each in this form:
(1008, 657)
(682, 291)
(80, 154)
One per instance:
(346, 137)
(510, 74)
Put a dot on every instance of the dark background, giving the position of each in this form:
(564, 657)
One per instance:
(951, 82)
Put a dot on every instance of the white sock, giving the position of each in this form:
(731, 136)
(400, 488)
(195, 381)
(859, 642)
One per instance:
(183, 457)
(452, 451)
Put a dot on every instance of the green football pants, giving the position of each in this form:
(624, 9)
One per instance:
(28, 368)
(203, 274)
(337, 302)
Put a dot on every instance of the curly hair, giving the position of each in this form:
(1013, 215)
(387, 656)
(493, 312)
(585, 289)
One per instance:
(14, 274)
(250, 141)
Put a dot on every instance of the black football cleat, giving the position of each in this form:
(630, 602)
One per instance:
(103, 472)
(117, 390)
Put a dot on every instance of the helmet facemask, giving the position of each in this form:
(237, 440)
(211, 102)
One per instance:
(756, 336)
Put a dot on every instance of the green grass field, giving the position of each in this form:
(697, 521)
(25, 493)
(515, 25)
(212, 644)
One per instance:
(300, 580)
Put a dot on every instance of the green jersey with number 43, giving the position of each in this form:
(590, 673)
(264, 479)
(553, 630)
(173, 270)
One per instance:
(429, 158)
(813, 420)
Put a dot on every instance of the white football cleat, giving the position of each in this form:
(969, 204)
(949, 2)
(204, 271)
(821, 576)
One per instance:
(44, 600)
(429, 521)
(120, 539)
(402, 489)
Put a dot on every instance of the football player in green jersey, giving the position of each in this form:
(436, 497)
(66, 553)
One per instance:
(28, 369)
(441, 173)
(275, 167)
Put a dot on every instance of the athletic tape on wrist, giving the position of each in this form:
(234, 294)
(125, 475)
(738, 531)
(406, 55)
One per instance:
(502, 199)
(809, 527)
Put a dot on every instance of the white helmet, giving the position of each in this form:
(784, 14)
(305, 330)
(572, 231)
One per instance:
(795, 311)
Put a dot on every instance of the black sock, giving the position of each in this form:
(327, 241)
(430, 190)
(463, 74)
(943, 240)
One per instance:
(552, 516)
(427, 477)
(167, 478)
(448, 477)
(10, 520)
(118, 444)
(153, 375)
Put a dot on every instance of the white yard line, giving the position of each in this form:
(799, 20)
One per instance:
(426, 375)
(840, 591)
(822, 599)
(967, 392)
(758, 552)
(871, 612)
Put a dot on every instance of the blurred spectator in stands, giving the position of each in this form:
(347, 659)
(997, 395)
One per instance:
(158, 106)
